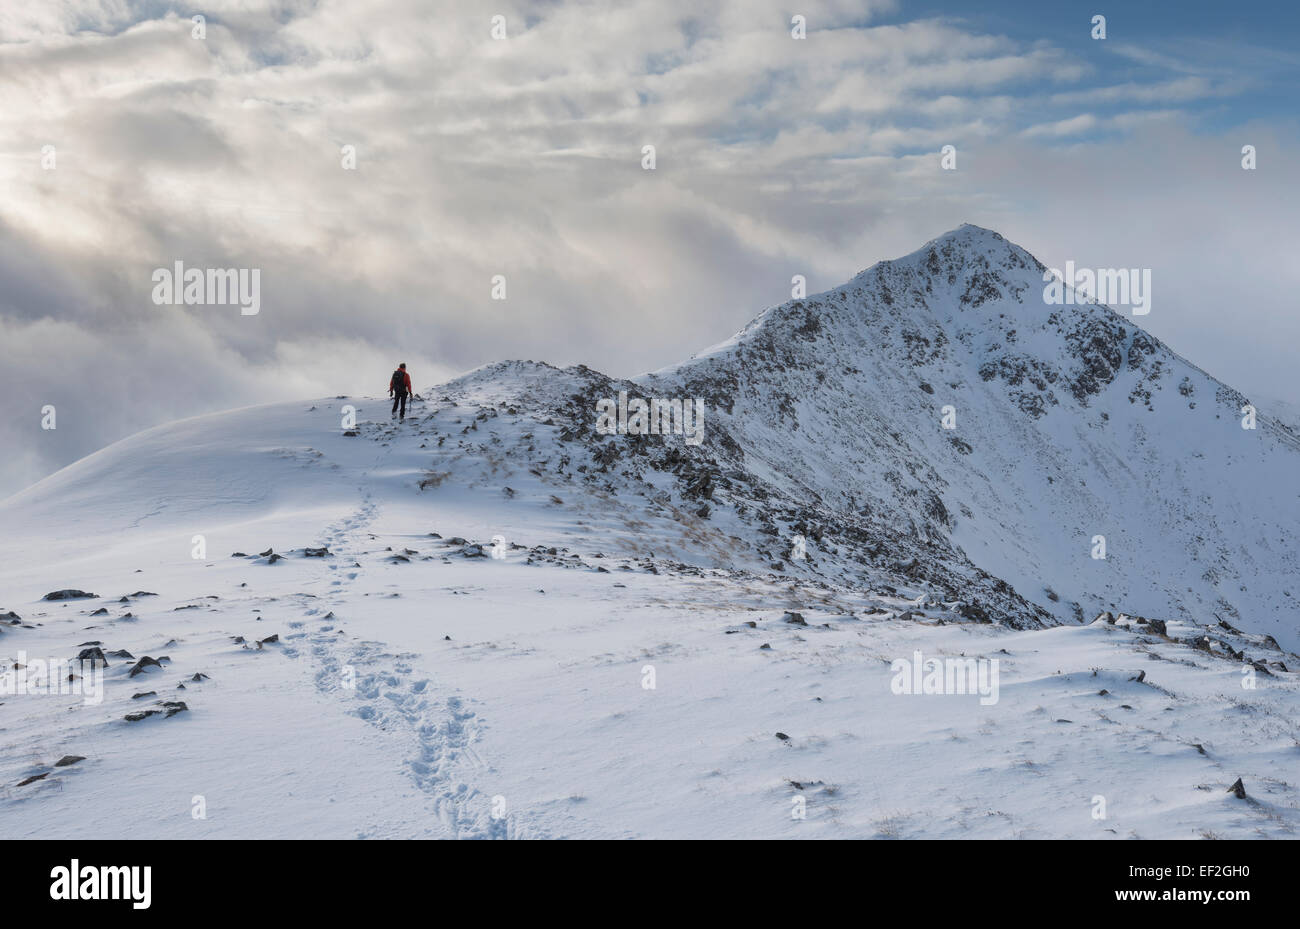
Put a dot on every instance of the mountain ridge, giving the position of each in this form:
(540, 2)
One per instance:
(824, 420)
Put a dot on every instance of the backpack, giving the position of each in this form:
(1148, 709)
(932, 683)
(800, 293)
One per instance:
(398, 381)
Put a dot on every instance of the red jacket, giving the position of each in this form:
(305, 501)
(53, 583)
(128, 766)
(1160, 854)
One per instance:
(404, 388)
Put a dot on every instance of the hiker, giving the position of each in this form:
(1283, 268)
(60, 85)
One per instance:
(399, 385)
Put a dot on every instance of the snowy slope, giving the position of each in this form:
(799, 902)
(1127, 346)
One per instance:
(1071, 422)
(418, 687)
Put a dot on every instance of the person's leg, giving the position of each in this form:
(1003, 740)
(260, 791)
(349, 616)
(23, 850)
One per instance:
(396, 398)
(402, 415)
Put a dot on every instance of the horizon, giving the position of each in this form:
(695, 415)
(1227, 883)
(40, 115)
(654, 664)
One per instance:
(699, 353)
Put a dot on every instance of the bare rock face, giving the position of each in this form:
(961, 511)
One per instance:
(94, 655)
(143, 665)
(166, 709)
(69, 594)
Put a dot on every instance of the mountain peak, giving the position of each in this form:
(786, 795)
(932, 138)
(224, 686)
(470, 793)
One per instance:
(970, 238)
(968, 231)
(964, 249)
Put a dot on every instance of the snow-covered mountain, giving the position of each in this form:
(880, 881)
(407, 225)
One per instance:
(494, 619)
(1071, 422)
(825, 419)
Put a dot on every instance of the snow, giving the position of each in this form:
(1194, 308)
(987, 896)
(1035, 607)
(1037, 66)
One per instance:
(452, 696)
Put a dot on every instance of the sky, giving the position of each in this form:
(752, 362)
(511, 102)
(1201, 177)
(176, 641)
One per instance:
(130, 139)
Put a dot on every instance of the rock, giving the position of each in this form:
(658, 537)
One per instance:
(200, 677)
(93, 655)
(147, 693)
(457, 540)
(69, 594)
(11, 618)
(273, 559)
(1141, 676)
(974, 612)
(352, 433)
(316, 552)
(120, 653)
(906, 615)
(167, 709)
(473, 551)
(269, 640)
(765, 645)
(1157, 626)
(34, 777)
(783, 737)
(145, 662)
(1238, 790)
(1106, 616)
(238, 555)
(269, 551)
(143, 593)
(239, 640)
(69, 760)
(794, 619)
(102, 611)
